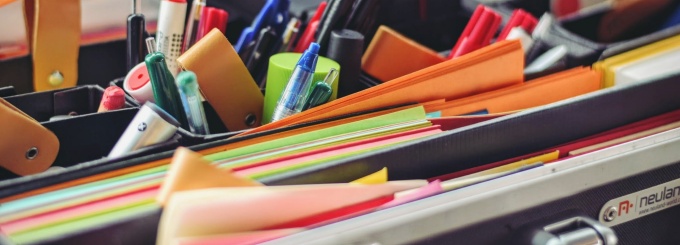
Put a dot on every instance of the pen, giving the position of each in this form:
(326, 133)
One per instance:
(321, 90)
(334, 18)
(307, 35)
(191, 30)
(290, 34)
(112, 99)
(165, 91)
(135, 35)
(193, 108)
(170, 31)
(297, 89)
(248, 33)
(264, 48)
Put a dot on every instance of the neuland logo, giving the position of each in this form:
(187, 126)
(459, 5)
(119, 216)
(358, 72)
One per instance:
(652, 202)
(625, 206)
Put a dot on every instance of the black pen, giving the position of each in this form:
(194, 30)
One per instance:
(334, 18)
(135, 37)
(266, 46)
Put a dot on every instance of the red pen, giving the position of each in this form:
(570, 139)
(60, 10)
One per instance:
(519, 18)
(212, 18)
(308, 35)
(478, 33)
(113, 99)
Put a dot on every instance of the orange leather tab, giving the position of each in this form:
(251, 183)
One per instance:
(55, 42)
(391, 55)
(225, 81)
(26, 146)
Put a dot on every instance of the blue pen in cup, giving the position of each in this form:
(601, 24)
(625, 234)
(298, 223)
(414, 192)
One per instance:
(191, 99)
(295, 94)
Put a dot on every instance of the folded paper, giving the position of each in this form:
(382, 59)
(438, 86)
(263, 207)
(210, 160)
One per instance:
(189, 171)
(233, 210)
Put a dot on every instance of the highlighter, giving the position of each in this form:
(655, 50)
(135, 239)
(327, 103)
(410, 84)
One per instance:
(112, 99)
(295, 94)
(165, 91)
(321, 91)
(193, 107)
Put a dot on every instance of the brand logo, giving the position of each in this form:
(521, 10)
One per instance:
(625, 205)
(141, 127)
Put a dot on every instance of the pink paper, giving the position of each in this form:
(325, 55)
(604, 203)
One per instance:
(433, 188)
(238, 238)
(337, 150)
(74, 211)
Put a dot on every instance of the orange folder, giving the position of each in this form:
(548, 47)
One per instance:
(495, 66)
(391, 55)
(541, 91)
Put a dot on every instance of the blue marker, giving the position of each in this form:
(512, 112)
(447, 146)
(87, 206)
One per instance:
(295, 94)
(274, 13)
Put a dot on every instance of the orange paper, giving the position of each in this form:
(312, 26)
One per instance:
(489, 68)
(534, 93)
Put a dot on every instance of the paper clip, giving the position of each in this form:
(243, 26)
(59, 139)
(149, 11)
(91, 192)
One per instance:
(478, 33)
(519, 18)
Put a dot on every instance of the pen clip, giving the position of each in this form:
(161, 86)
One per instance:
(331, 76)
(151, 44)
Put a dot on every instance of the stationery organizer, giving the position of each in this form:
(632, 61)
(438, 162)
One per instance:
(339, 122)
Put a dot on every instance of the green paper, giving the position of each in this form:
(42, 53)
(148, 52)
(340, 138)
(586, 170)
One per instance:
(324, 143)
(414, 113)
(307, 164)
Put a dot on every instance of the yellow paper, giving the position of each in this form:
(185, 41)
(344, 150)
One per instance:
(374, 178)
(608, 66)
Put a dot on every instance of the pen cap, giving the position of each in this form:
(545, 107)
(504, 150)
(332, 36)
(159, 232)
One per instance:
(151, 125)
(138, 84)
(346, 48)
(281, 68)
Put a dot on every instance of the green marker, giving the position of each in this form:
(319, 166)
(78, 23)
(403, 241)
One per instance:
(321, 91)
(165, 91)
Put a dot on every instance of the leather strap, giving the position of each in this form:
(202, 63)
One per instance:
(26, 146)
(53, 30)
(225, 81)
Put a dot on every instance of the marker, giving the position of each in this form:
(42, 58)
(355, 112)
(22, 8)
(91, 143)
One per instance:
(135, 35)
(170, 32)
(192, 27)
(295, 94)
(165, 91)
(210, 19)
(519, 18)
(307, 36)
(191, 99)
(478, 33)
(151, 125)
(321, 90)
(112, 99)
